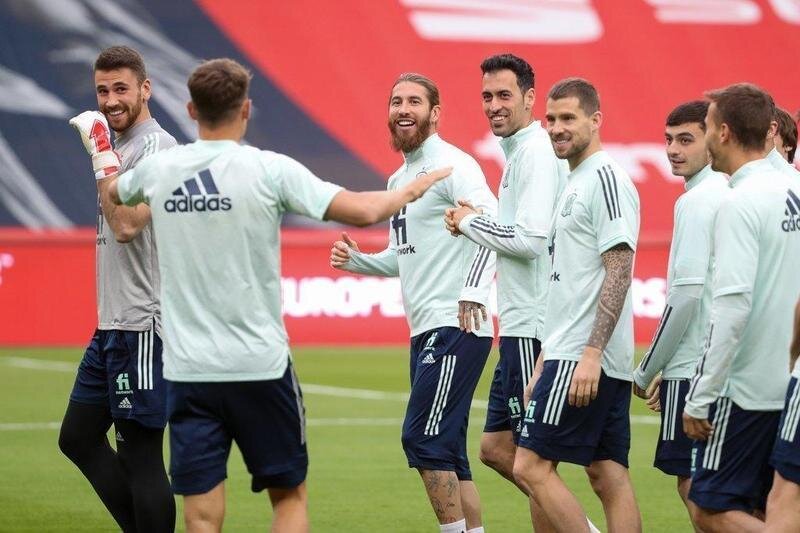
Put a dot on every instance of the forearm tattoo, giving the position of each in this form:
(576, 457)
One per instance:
(618, 264)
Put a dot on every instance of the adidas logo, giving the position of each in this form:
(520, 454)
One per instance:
(119, 437)
(524, 432)
(428, 360)
(125, 404)
(194, 198)
(792, 223)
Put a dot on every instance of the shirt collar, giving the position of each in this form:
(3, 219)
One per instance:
(133, 131)
(512, 142)
(748, 169)
(698, 178)
(418, 153)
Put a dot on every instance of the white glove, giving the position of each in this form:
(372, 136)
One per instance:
(96, 137)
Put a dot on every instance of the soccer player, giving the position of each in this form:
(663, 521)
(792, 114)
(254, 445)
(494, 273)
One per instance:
(678, 340)
(119, 379)
(579, 406)
(786, 135)
(783, 502)
(736, 395)
(445, 284)
(216, 208)
(532, 181)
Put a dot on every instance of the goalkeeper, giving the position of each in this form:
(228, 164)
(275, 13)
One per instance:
(119, 379)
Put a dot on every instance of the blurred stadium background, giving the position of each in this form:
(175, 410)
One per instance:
(322, 72)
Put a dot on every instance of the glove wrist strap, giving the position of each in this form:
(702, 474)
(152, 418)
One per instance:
(105, 164)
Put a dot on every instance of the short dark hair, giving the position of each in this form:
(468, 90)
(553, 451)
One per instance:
(117, 57)
(787, 129)
(747, 110)
(419, 79)
(689, 112)
(526, 78)
(587, 96)
(218, 88)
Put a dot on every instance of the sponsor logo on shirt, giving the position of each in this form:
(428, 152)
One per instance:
(197, 194)
(792, 221)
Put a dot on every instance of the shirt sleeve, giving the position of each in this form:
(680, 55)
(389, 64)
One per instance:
(380, 264)
(736, 247)
(615, 210)
(300, 191)
(468, 183)
(130, 185)
(536, 191)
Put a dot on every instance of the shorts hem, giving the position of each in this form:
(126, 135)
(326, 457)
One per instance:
(194, 491)
(719, 502)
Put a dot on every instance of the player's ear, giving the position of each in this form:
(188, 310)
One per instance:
(597, 120)
(435, 112)
(724, 132)
(246, 108)
(146, 90)
(530, 98)
(192, 110)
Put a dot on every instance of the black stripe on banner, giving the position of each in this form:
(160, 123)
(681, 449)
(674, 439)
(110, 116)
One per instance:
(479, 273)
(605, 194)
(491, 229)
(793, 197)
(664, 319)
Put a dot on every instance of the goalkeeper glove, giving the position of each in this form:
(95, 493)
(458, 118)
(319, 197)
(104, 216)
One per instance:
(96, 137)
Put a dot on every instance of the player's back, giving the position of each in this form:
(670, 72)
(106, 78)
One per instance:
(216, 215)
(760, 259)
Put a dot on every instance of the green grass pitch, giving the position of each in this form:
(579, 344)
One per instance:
(358, 479)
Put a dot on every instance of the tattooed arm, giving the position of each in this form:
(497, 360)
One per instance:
(618, 264)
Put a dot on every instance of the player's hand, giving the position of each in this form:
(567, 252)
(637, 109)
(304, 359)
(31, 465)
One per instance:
(464, 208)
(96, 136)
(470, 315)
(654, 394)
(449, 224)
(424, 182)
(696, 428)
(527, 394)
(585, 378)
(340, 252)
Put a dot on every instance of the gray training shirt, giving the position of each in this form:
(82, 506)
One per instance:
(127, 273)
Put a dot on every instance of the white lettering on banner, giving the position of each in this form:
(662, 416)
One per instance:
(348, 297)
(508, 21)
(6, 262)
(634, 157)
(568, 21)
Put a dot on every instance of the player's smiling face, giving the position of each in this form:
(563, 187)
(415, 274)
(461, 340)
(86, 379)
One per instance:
(686, 148)
(412, 119)
(570, 128)
(507, 109)
(121, 98)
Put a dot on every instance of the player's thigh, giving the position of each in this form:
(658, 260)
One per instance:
(674, 448)
(198, 437)
(91, 379)
(267, 421)
(731, 469)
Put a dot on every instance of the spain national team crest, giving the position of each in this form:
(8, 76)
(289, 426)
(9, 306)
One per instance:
(567, 209)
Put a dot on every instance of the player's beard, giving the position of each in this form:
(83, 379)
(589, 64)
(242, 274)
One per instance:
(132, 113)
(408, 143)
(578, 146)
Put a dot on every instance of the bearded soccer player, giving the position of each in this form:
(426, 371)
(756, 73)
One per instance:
(580, 390)
(531, 184)
(119, 379)
(735, 397)
(445, 284)
(216, 208)
(679, 338)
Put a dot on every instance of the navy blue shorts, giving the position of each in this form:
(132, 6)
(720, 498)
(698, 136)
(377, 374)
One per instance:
(558, 431)
(265, 418)
(730, 471)
(122, 369)
(786, 453)
(674, 448)
(514, 369)
(446, 364)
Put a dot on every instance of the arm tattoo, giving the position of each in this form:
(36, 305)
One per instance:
(618, 263)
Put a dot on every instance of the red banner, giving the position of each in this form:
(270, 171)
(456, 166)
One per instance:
(47, 293)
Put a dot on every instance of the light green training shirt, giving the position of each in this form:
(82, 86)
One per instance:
(216, 208)
(599, 209)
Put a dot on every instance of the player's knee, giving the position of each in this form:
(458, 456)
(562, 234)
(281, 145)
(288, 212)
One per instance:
(701, 519)
(72, 442)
